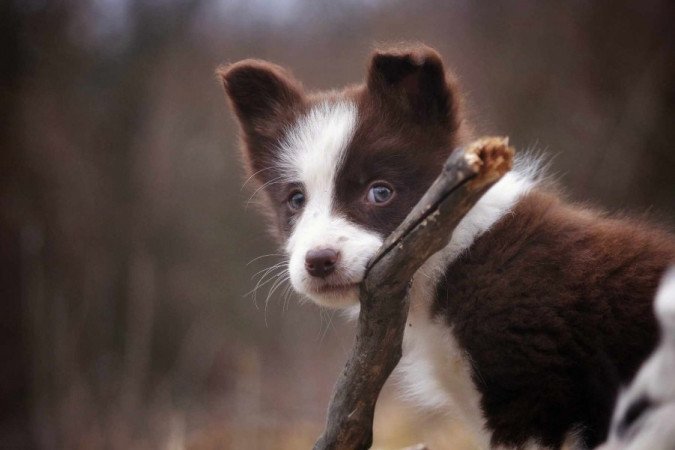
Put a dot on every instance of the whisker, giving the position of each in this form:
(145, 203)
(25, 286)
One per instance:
(279, 281)
(254, 291)
(275, 286)
(328, 325)
(267, 277)
(263, 256)
(268, 269)
(252, 176)
(269, 183)
(267, 273)
(321, 313)
(287, 295)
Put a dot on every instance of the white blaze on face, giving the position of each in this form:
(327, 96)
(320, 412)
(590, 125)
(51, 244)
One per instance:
(311, 154)
(645, 413)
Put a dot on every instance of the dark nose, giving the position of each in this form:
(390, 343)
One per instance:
(321, 263)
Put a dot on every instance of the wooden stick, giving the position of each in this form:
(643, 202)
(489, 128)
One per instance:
(466, 176)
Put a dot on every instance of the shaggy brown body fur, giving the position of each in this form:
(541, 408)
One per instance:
(554, 305)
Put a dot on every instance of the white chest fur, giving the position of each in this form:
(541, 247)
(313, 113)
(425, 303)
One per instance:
(434, 371)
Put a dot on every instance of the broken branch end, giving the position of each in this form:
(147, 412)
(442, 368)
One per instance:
(490, 157)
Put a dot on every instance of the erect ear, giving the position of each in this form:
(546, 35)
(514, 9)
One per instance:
(414, 80)
(263, 95)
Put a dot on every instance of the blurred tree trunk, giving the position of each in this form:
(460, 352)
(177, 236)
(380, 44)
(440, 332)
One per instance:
(56, 338)
(14, 366)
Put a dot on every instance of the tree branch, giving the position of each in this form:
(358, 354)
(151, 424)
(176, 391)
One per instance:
(466, 176)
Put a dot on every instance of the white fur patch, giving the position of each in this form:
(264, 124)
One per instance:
(312, 154)
(434, 371)
(654, 427)
(313, 149)
(496, 202)
(665, 304)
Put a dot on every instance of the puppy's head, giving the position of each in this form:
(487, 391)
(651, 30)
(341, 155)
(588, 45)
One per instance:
(340, 170)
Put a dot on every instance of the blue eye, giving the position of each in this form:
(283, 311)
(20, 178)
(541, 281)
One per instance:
(296, 200)
(380, 193)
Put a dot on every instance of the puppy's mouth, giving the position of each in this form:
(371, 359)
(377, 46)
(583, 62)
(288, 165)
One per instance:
(335, 289)
(335, 285)
(334, 293)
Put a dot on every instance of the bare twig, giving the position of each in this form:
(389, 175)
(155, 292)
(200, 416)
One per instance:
(465, 177)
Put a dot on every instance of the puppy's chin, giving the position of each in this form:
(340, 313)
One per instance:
(335, 297)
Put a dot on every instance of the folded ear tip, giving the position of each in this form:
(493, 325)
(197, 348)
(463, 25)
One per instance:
(249, 67)
(226, 73)
(396, 63)
(414, 54)
(229, 72)
(221, 72)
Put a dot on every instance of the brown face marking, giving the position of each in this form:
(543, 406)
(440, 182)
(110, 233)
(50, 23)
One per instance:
(408, 125)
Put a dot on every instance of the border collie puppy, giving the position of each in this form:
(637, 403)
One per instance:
(526, 324)
(645, 413)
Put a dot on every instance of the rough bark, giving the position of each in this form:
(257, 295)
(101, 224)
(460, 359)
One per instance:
(467, 174)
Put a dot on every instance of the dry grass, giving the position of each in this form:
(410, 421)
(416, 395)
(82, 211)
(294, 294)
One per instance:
(396, 427)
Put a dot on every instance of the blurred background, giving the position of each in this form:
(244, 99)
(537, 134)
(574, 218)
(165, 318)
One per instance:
(127, 251)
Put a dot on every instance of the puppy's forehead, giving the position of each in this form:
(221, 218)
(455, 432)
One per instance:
(314, 148)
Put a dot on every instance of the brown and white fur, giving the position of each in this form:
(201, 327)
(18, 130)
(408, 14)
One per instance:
(526, 324)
